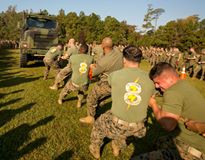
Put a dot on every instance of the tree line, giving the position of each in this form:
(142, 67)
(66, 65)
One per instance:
(181, 33)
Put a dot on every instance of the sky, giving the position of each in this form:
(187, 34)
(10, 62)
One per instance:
(132, 11)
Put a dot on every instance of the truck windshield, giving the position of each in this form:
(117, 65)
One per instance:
(41, 23)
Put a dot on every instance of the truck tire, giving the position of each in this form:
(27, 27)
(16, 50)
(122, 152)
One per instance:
(23, 60)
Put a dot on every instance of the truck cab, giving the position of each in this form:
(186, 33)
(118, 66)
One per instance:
(38, 34)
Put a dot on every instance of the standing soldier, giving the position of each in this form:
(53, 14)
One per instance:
(79, 64)
(200, 66)
(191, 61)
(131, 91)
(111, 61)
(72, 49)
(162, 55)
(175, 57)
(51, 59)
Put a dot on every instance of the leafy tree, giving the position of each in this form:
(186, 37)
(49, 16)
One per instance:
(152, 14)
(71, 25)
(9, 22)
(156, 13)
(148, 19)
(94, 28)
(181, 33)
(111, 28)
(61, 26)
(200, 34)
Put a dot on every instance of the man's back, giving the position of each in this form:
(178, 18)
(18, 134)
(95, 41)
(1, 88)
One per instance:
(190, 105)
(71, 51)
(131, 90)
(108, 63)
(53, 53)
(80, 65)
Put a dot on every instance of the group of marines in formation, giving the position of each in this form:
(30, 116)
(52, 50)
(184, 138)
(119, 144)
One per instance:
(9, 44)
(192, 61)
(131, 89)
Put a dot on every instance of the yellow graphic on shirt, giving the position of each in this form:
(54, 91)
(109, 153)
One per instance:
(132, 95)
(83, 68)
(132, 98)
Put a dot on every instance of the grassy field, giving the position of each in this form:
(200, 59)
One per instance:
(34, 127)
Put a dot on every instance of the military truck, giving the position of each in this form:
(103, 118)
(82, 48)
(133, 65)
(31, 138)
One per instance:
(38, 34)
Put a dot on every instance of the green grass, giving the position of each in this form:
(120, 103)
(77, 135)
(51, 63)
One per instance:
(34, 127)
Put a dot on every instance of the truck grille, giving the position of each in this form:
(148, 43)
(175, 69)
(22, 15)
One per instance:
(43, 41)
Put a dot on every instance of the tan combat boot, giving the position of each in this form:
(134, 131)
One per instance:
(79, 104)
(60, 101)
(80, 99)
(88, 120)
(54, 87)
(95, 151)
(115, 149)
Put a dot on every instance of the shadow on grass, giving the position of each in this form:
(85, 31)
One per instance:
(103, 107)
(65, 155)
(8, 75)
(12, 141)
(5, 94)
(16, 81)
(10, 102)
(70, 98)
(7, 114)
(6, 60)
(35, 64)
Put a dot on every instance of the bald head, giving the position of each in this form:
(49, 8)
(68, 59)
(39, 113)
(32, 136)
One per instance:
(107, 42)
(71, 42)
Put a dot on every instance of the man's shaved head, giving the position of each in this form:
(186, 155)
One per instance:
(107, 42)
(72, 40)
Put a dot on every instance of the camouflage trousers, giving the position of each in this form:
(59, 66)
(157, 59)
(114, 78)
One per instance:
(71, 87)
(169, 149)
(107, 126)
(197, 69)
(48, 64)
(65, 72)
(98, 92)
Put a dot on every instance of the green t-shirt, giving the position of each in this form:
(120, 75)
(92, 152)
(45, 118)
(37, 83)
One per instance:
(202, 58)
(108, 63)
(80, 66)
(131, 91)
(53, 53)
(97, 52)
(71, 51)
(184, 100)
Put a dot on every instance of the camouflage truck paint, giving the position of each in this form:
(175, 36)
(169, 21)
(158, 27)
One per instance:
(39, 33)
